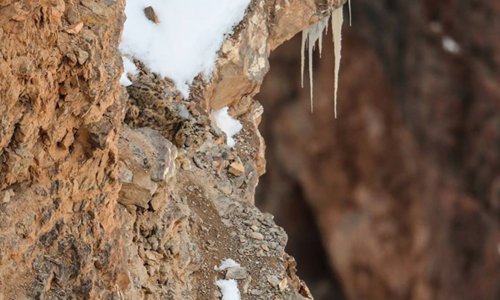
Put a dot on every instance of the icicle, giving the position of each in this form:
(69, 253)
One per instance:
(311, 35)
(323, 28)
(320, 44)
(337, 20)
(305, 33)
(350, 14)
(310, 48)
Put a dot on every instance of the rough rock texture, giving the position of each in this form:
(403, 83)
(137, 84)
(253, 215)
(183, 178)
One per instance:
(61, 113)
(404, 185)
(114, 193)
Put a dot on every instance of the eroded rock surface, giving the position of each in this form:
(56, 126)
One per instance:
(60, 103)
(114, 193)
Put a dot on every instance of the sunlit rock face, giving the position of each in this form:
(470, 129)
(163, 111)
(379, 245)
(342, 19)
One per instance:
(113, 192)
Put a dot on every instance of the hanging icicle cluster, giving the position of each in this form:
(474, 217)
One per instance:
(313, 34)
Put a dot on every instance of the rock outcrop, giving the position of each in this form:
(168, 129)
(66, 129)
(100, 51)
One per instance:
(114, 193)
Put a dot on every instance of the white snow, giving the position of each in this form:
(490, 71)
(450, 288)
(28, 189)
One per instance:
(129, 68)
(124, 81)
(184, 112)
(185, 41)
(227, 263)
(227, 124)
(229, 289)
(450, 45)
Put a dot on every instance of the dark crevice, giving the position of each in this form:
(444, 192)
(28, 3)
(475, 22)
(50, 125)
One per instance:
(282, 195)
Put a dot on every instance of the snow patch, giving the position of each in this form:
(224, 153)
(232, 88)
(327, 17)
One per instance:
(227, 124)
(124, 81)
(128, 68)
(229, 289)
(227, 263)
(185, 41)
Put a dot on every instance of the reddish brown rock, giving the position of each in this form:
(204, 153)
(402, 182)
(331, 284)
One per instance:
(86, 210)
(56, 159)
(404, 184)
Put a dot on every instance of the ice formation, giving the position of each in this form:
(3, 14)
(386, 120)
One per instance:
(312, 35)
(337, 21)
(350, 13)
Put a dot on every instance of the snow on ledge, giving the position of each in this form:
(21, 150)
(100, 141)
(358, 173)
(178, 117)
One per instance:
(227, 263)
(128, 68)
(227, 124)
(185, 41)
(229, 289)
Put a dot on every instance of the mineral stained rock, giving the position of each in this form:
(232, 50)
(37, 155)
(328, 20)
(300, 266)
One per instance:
(114, 193)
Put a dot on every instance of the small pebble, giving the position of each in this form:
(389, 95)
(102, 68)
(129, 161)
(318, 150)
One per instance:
(150, 13)
(256, 235)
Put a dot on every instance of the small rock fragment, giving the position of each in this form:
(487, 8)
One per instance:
(198, 161)
(225, 187)
(72, 58)
(74, 28)
(186, 164)
(72, 16)
(20, 13)
(283, 284)
(95, 7)
(151, 256)
(273, 280)
(237, 273)
(156, 203)
(123, 280)
(150, 13)
(226, 222)
(256, 235)
(82, 56)
(274, 245)
(236, 168)
(256, 292)
(5, 196)
(246, 284)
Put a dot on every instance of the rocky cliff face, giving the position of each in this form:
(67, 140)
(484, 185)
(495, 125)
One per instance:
(404, 185)
(114, 193)
(61, 117)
